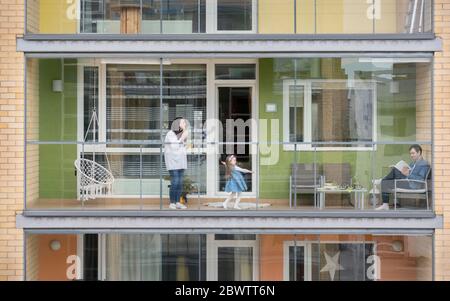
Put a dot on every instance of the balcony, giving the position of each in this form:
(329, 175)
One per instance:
(318, 133)
(228, 257)
(261, 17)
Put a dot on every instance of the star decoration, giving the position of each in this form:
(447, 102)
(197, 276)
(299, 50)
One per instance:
(332, 265)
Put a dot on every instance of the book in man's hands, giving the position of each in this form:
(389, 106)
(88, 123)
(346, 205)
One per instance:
(400, 165)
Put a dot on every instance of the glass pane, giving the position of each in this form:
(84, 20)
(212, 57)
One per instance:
(345, 178)
(183, 16)
(276, 16)
(235, 237)
(241, 71)
(296, 113)
(151, 257)
(132, 257)
(90, 257)
(91, 107)
(403, 16)
(234, 15)
(235, 264)
(152, 16)
(306, 20)
(235, 111)
(183, 257)
(133, 103)
(297, 263)
(341, 113)
(184, 95)
(276, 152)
(400, 191)
(344, 16)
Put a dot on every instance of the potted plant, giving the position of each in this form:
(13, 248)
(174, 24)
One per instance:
(188, 187)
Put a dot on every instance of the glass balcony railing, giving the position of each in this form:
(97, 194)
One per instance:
(314, 17)
(228, 257)
(93, 176)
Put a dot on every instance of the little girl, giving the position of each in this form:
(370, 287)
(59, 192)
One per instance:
(235, 181)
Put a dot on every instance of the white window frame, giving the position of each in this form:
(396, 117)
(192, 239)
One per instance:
(307, 125)
(308, 253)
(253, 137)
(212, 19)
(308, 258)
(212, 246)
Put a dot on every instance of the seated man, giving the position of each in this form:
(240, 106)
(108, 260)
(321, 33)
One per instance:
(418, 170)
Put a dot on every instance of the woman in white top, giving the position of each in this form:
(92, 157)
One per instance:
(176, 160)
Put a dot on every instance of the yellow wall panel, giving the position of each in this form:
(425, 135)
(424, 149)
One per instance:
(57, 16)
(329, 16)
(276, 16)
(392, 16)
(305, 16)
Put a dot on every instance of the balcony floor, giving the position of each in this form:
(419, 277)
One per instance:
(154, 204)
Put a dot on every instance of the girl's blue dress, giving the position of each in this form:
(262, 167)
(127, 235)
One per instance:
(236, 183)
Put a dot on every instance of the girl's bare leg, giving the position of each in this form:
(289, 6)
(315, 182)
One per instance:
(227, 200)
(238, 199)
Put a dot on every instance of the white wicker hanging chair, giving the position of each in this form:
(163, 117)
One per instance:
(94, 179)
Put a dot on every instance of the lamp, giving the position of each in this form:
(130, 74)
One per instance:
(55, 245)
(271, 107)
(397, 245)
(57, 85)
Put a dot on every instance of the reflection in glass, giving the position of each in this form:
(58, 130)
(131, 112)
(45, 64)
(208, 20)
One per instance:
(234, 15)
(235, 264)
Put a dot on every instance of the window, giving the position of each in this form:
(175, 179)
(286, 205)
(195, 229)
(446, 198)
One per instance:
(154, 257)
(238, 71)
(235, 15)
(133, 100)
(175, 16)
(329, 261)
(330, 111)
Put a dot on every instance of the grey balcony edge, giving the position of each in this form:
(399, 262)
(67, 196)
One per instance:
(230, 213)
(230, 223)
(223, 46)
(227, 37)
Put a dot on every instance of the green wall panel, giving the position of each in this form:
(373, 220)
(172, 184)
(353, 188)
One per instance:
(57, 122)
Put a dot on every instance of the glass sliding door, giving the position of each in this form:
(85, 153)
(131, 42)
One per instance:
(235, 113)
(233, 258)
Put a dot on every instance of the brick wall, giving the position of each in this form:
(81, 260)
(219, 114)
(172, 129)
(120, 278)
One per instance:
(442, 138)
(32, 176)
(11, 139)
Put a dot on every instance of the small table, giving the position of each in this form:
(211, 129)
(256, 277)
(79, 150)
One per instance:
(358, 193)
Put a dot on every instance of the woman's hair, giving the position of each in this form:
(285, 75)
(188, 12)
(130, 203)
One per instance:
(175, 126)
(228, 166)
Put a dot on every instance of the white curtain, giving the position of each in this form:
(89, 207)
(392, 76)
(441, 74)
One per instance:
(243, 264)
(133, 257)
